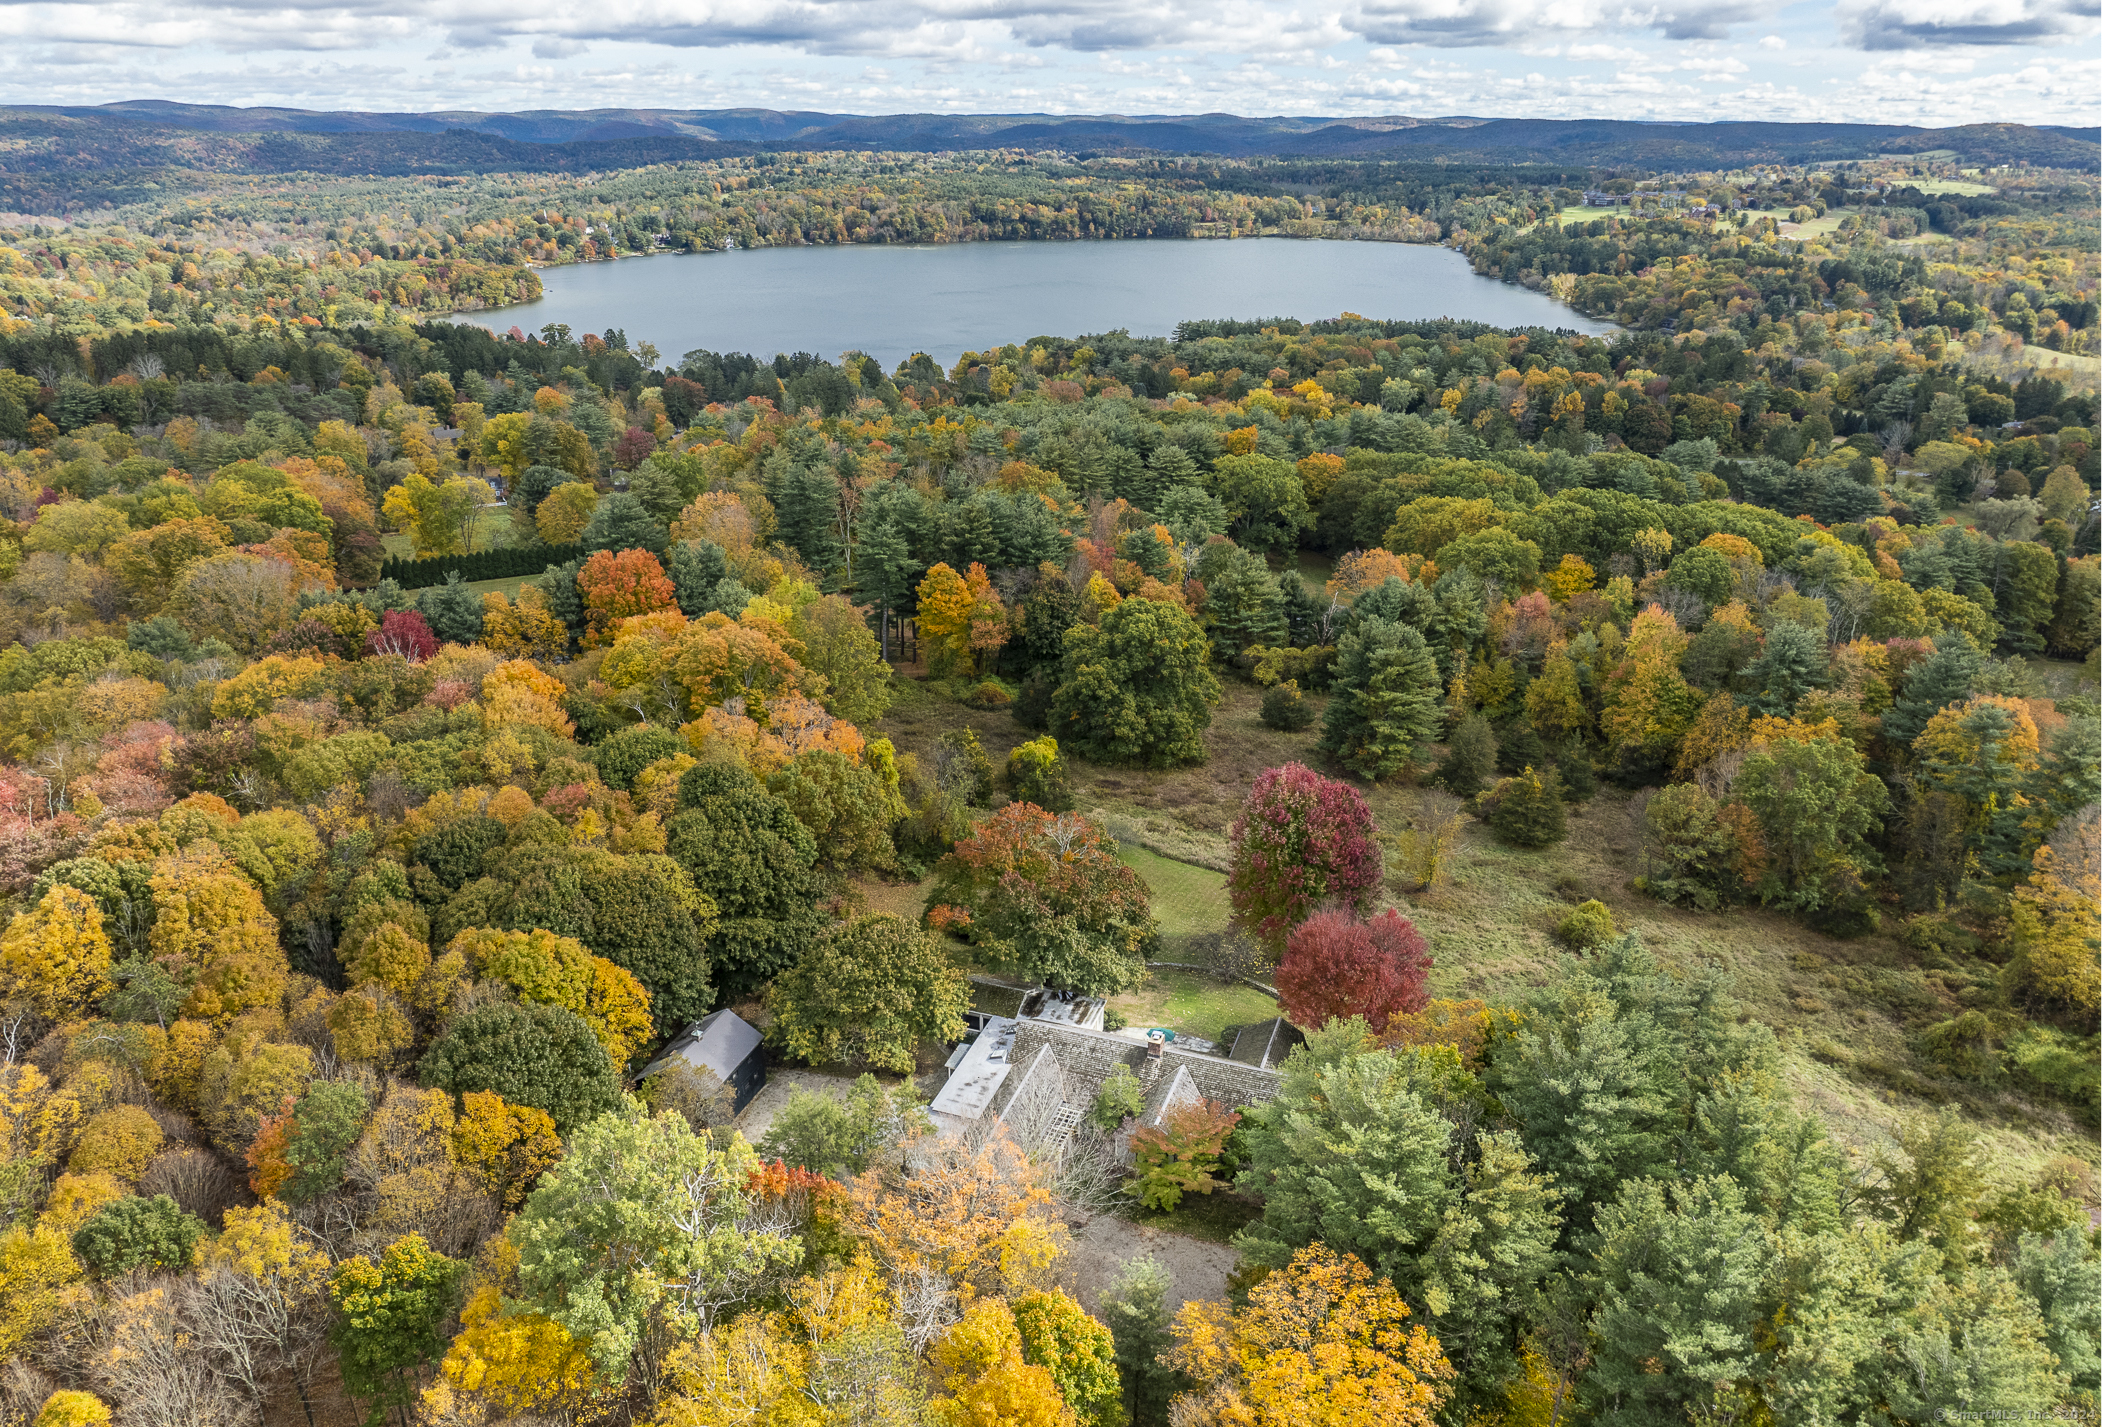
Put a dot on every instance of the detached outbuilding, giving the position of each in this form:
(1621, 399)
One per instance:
(725, 1043)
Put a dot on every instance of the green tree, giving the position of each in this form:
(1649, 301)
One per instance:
(1242, 605)
(1495, 554)
(131, 1232)
(749, 854)
(842, 1136)
(389, 1317)
(1078, 1352)
(1791, 664)
(1136, 688)
(1135, 1309)
(838, 644)
(325, 1128)
(869, 990)
(1046, 897)
(545, 1057)
(641, 1234)
(849, 806)
(631, 750)
(1470, 757)
(1681, 1283)
(1689, 852)
(1386, 708)
(621, 521)
(1264, 499)
(1818, 806)
(1527, 810)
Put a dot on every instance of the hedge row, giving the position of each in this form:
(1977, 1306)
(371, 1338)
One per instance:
(482, 565)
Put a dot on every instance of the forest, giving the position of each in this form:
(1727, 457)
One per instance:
(407, 729)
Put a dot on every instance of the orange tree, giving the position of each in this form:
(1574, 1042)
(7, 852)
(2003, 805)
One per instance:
(615, 586)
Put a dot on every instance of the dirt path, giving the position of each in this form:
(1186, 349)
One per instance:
(1099, 1252)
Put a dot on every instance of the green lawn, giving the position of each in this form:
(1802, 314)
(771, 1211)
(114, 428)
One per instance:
(492, 528)
(1191, 1003)
(1932, 186)
(1187, 900)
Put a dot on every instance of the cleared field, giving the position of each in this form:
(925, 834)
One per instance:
(1960, 187)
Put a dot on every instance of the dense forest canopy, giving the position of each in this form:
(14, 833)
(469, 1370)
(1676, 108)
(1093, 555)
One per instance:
(407, 728)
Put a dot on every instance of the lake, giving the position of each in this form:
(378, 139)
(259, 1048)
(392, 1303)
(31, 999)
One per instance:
(891, 302)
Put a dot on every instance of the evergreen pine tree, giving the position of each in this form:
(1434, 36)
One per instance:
(696, 567)
(1518, 747)
(1942, 678)
(1387, 705)
(622, 522)
(1470, 757)
(1790, 666)
(806, 514)
(453, 611)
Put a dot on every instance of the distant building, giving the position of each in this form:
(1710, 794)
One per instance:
(728, 1045)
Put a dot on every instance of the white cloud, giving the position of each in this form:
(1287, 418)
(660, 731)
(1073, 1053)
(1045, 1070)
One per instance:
(1925, 24)
(1926, 61)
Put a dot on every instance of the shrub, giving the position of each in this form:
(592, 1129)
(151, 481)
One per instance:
(988, 695)
(1527, 810)
(68, 1408)
(135, 1233)
(1180, 1155)
(1589, 926)
(1121, 1094)
(1336, 967)
(1037, 774)
(1285, 708)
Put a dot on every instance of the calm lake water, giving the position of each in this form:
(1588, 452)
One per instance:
(943, 300)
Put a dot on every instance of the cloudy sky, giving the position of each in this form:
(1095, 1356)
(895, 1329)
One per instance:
(1894, 61)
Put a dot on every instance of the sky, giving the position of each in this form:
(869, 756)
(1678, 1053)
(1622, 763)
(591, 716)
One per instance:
(1926, 62)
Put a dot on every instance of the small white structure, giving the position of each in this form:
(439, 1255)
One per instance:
(977, 1070)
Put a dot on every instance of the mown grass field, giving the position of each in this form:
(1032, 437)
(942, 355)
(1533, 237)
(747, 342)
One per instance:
(1844, 1013)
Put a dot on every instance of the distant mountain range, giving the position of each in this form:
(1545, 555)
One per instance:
(131, 135)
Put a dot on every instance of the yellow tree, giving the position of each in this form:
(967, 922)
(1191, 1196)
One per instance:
(1320, 1344)
(209, 918)
(946, 607)
(56, 955)
(1648, 704)
(439, 519)
(987, 1381)
(2057, 951)
(979, 1217)
(561, 517)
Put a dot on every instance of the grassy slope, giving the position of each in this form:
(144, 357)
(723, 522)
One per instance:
(1843, 1011)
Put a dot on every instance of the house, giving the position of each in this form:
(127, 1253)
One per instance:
(1037, 1078)
(725, 1043)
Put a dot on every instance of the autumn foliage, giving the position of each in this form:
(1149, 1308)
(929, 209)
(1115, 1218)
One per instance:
(1301, 841)
(1337, 966)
